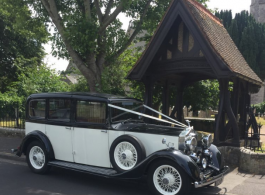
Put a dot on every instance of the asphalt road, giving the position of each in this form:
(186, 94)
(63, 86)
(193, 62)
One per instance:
(17, 179)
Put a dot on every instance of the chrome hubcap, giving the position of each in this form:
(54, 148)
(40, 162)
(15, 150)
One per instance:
(37, 157)
(123, 156)
(165, 181)
(168, 179)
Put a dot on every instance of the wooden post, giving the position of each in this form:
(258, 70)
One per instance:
(236, 91)
(148, 96)
(220, 113)
(225, 106)
(165, 98)
(246, 106)
(179, 104)
(244, 103)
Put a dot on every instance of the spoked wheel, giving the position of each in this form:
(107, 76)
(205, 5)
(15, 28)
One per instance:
(126, 152)
(166, 178)
(125, 155)
(37, 158)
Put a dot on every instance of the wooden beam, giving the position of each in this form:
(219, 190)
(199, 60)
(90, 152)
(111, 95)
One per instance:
(148, 97)
(179, 103)
(219, 116)
(225, 106)
(165, 98)
(235, 99)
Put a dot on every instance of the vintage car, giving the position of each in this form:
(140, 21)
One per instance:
(112, 136)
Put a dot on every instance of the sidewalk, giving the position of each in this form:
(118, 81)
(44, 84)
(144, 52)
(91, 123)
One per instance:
(8, 143)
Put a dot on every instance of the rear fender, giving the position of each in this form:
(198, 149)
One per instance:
(33, 136)
(182, 160)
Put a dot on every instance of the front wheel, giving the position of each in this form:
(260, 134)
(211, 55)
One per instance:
(166, 178)
(37, 158)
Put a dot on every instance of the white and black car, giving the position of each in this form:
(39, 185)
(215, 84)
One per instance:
(110, 136)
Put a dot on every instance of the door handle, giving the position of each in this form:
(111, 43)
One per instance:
(104, 131)
(68, 128)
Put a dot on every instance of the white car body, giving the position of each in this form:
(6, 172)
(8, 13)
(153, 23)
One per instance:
(91, 146)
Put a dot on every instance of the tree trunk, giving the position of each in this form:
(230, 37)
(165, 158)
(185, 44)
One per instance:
(90, 71)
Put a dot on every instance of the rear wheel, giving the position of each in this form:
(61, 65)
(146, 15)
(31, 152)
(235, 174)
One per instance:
(37, 158)
(166, 178)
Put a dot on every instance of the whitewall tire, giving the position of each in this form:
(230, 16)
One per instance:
(37, 158)
(125, 155)
(166, 178)
(126, 152)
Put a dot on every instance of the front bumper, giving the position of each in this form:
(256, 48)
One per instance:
(199, 184)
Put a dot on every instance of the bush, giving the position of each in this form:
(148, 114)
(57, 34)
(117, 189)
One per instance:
(12, 108)
(260, 108)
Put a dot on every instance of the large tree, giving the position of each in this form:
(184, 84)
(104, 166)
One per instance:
(249, 37)
(21, 36)
(89, 32)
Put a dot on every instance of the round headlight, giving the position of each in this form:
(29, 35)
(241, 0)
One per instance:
(207, 140)
(204, 163)
(191, 143)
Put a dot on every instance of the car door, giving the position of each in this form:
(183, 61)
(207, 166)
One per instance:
(59, 128)
(90, 134)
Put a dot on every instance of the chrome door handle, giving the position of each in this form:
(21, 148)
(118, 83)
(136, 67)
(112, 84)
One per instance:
(104, 131)
(68, 128)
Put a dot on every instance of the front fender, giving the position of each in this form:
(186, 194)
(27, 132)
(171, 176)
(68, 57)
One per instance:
(216, 157)
(181, 159)
(32, 136)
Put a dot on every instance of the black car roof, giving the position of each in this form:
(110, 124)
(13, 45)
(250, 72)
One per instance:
(100, 96)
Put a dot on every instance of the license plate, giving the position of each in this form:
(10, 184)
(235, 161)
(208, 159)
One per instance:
(218, 182)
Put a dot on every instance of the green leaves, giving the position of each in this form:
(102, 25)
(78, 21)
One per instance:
(203, 2)
(43, 80)
(260, 108)
(36, 80)
(248, 36)
(202, 95)
(21, 35)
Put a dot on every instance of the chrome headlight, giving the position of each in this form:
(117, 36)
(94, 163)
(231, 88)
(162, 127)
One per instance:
(207, 140)
(204, 163)
(191, 143)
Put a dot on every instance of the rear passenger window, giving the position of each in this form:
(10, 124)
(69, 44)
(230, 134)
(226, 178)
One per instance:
(59, 109)
(92, 112)
(37, 108)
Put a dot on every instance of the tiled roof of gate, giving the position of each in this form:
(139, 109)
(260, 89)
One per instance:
(218, 38)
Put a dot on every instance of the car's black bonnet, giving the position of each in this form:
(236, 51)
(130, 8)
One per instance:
(148, 128)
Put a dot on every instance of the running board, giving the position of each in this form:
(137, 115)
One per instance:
(83, 168)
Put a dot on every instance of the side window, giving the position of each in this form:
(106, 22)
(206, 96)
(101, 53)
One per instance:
(59, 109)
(92, 112)
(37, 108)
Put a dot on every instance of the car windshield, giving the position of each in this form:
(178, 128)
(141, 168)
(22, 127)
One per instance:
(134, 111)
(120, 115)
